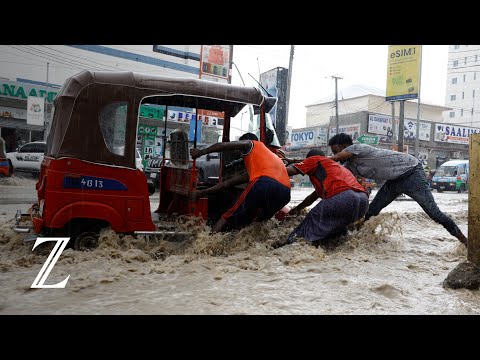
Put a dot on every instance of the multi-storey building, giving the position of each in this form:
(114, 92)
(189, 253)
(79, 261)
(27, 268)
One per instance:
(463, 86)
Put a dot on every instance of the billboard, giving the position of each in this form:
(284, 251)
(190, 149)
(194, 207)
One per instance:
(307, 137)
(403, 72)
(353, 130)
(275, 82)
(454, 133)
(35, 110)
(382, 125)
(215, 63)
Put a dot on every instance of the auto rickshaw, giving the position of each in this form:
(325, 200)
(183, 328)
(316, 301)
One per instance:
(88, 178)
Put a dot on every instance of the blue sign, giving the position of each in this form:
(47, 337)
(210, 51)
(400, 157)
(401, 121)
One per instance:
(192, 130)
(92, 183)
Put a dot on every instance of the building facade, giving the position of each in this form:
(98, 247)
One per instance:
(370, 115)
(463, 85)
(41, 70)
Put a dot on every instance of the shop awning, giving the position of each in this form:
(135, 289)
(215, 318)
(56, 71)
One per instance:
(19, 124)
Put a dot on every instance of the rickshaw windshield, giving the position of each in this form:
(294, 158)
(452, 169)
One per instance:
(247, 121)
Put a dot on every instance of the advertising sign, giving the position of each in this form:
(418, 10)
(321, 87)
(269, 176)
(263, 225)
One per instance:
(215, 62)
(454, 133)
(410, 130)
(288, 132)
(35, 108)
(211, 118)
(322, 134)
(152, 112)
(353, 130)
(301, 138)
(368, 139)
(403, 72)
(382, 125)
(269, 82)
(275, 81)
(147, 130)
(191, 133)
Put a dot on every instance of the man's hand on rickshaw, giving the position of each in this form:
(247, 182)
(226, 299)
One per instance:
(293, 211)
(194, 195)
(195, 153)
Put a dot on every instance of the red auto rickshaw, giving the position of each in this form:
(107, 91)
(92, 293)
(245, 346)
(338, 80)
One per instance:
(88, 178)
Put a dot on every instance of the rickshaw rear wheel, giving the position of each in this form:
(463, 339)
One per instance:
(86, 241)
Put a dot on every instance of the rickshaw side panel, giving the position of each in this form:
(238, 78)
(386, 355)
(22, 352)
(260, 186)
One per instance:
(78, 189)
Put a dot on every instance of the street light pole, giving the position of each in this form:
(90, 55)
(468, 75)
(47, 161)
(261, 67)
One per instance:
(336, 99)
(417, 135)
(289, 81)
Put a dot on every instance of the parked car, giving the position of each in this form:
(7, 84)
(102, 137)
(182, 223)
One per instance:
(27, 158)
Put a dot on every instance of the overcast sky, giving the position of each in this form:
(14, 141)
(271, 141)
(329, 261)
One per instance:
(313, 66)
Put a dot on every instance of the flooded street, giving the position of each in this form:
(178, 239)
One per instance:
(395, 264)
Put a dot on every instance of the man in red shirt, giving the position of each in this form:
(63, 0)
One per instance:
(344, 200)
(268, 188)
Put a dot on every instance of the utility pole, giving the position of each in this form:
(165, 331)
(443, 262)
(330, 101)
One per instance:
(336, 99)
(417, 155)
(393, 123)
(289, 81)
(401, 125)
(46, 122)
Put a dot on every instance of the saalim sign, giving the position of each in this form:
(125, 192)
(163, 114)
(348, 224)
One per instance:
(454, 133)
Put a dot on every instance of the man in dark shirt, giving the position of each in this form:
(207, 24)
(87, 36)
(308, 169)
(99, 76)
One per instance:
(403, 173)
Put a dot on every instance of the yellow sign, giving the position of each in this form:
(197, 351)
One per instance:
(403, 72)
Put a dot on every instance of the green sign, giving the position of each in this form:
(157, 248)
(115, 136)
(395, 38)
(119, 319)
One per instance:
(147, 130)
(367, 139)
(152, 112)
(15, 90)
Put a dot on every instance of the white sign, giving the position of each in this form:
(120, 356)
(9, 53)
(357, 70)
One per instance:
(410, 130)
(35, 108)
(454, 133)
(322, 134)
(288, 131)
(353, 130)
(382, 125)
(303, 138)
(423, 157)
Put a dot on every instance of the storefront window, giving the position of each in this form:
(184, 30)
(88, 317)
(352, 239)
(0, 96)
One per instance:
(37, 135)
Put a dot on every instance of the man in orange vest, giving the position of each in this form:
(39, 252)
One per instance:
(268, 188)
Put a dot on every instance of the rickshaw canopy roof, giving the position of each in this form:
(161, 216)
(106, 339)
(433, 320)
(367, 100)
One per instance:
(76, 130)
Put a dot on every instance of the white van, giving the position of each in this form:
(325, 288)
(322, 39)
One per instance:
(28, 158)
(451, 176)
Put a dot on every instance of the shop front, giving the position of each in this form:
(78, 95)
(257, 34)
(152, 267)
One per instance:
(14, 127)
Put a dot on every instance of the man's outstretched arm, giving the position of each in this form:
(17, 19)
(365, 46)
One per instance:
(243, 145)
(309, 200)
(237, 180)
(341, 156)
